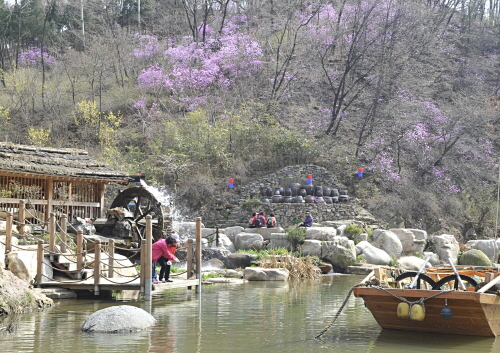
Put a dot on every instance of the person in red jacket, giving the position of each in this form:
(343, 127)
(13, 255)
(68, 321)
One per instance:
(252, 220)
(163, 253)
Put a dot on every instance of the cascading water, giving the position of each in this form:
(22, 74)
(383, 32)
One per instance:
(172, 215)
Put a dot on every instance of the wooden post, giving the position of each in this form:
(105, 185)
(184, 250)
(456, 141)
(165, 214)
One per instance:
(148, 265)
(111, 257)
(101, 199)
(488, 277)
(79, 254)
(143, 265)
(97, 266)
(64, 231)
(49, 196)
(21, 216)
(198, 253)
(8, 233)
(52, 233)
(39, 262)
(189, 263)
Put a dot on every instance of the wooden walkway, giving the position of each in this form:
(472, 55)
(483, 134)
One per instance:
(93, 268)
(119, 283)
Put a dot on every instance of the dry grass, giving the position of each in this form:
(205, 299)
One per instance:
(298, 267)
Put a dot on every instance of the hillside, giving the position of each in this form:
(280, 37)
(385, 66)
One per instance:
(193, 93)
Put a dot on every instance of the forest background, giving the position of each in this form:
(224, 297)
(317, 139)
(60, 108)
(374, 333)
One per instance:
(194, 92)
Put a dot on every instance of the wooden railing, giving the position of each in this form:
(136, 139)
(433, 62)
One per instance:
(58, 239)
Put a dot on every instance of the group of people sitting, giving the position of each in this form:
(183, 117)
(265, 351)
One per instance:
(259, 220)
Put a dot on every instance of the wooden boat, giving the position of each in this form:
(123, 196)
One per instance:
(466, 306)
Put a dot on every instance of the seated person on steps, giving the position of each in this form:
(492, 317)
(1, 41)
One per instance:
(308, 222)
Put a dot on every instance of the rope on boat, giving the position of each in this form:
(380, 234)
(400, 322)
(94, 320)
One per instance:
(419, 301)
(336, 315)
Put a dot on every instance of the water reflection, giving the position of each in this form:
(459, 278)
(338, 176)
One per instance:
(253, 317)
(395, 341)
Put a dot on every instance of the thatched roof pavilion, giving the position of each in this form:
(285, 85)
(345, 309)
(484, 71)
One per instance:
(54, 180)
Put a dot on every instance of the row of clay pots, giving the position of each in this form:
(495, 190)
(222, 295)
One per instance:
(307, 199)
(296, 189)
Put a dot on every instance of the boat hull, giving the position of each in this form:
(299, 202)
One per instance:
(474, 314)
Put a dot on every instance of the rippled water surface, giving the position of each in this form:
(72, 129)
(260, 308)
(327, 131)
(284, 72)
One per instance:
(253, 317)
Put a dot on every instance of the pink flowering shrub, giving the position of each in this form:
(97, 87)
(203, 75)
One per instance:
(193, 69)
(33, 57)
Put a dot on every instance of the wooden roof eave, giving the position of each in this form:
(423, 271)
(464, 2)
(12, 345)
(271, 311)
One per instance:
(88, 179)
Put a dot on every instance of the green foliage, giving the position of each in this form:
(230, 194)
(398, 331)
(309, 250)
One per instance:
(394, 261)
(5, 193)
(296, 237)
(353, 232)
(211, 275)
(261, 254)
(39, 137)
(314, 259)
(175, 269)
(360, 259)
(251, 204)
(417, 254)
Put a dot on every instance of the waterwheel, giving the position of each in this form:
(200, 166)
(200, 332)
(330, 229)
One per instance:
(141, 202)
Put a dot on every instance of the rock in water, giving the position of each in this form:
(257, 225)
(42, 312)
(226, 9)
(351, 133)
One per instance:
(115, 319)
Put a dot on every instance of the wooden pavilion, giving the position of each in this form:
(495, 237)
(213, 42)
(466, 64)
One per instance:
(49, 180)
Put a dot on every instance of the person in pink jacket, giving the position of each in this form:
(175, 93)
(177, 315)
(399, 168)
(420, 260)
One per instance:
(163, 254)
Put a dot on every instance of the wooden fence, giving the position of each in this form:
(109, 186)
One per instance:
(61, 246)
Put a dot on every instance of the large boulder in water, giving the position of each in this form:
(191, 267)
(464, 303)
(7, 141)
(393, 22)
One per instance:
(239, 260)
(474, 257)
(340, 252)
(266, 274)
(115, 319)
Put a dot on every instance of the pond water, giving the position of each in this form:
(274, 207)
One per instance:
(252, 317)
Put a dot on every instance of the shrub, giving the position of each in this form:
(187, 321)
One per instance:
(296, 237)
(251, 204)
(353, 232)
(360, 259)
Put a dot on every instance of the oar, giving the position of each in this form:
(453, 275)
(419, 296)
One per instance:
(457, 274)
(412, 285)
(489, 285)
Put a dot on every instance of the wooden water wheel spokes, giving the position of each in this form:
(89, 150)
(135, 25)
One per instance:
(453, 279)
(141, 203)
(421, 278)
